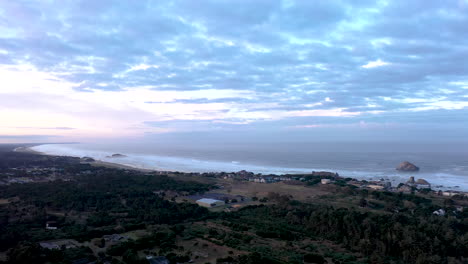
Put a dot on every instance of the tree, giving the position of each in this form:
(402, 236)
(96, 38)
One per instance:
(314, 258)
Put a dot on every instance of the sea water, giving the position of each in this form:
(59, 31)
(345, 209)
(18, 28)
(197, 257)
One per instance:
(443, 165)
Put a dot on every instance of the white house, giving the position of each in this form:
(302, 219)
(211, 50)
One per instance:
(206, 202)
(51, 225)
(375, 187)
(440, 212)
(325, 181)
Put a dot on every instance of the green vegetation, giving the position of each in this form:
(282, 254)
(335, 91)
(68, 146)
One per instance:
(346, 225)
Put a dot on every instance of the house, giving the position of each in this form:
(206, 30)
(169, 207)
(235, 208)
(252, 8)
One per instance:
(260, 180)
(51, 225)
(440, 212)
(450, 193)
(375, 187)
(208, 203)
(325, 181)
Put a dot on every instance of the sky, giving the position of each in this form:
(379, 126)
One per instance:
(239, 70)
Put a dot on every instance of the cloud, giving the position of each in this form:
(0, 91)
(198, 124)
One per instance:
(373, 64)
(46, 128)
(107, 68)
(30, 138)
(361, 124)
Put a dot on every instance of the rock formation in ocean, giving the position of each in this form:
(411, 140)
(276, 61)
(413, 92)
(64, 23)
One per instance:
(407, 166)
(411, 180)
(117, 156)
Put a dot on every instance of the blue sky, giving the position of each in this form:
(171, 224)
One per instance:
(309, 70)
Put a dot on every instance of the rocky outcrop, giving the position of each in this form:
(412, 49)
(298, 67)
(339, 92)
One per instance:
(88, 159)
(117, 156)
(407, 166)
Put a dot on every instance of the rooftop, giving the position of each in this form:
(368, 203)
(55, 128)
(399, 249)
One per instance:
(208, 201)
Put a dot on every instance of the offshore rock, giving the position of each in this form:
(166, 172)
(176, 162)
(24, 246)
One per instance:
(407, 166)
(117, 156)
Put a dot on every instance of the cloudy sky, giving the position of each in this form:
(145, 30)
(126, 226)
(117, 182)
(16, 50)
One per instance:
(310, 70)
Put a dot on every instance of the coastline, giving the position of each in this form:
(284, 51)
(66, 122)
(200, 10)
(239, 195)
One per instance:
(112, 165)
(168, 164)
(96, 163)
(29, 150)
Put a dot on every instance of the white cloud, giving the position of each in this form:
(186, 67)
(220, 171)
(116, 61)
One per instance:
(445, 105)
(361, 125)
(373, 64)
(33, 99)
(463, 85)
(142, 66)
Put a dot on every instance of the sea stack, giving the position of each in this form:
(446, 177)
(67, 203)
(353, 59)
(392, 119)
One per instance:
(407, 166)
(117, 156)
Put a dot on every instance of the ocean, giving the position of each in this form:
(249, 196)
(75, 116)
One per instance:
(445, 166)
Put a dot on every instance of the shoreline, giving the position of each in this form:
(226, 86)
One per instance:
(97, 163)
(29, 150)
(100, 163)
(363, 176)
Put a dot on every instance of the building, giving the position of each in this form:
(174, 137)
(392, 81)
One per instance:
(49, 245)
(440, 212)
(325, 181)
(375, 187)
(206, 202)
(51, 225)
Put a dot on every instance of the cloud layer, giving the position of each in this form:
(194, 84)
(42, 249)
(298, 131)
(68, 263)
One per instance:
(134, 68)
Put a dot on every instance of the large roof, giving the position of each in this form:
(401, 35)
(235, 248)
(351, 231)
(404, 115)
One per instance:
(208, 200)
